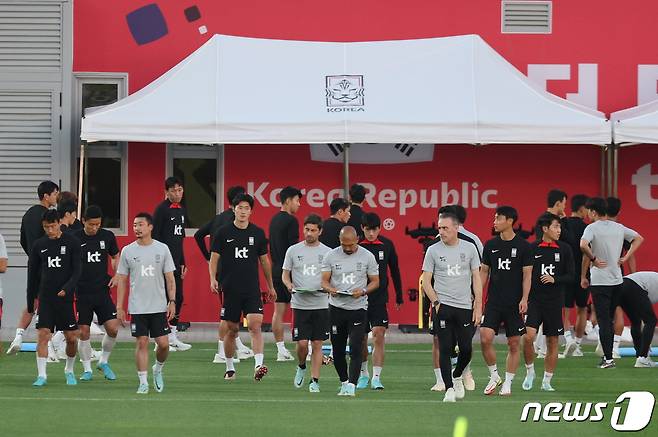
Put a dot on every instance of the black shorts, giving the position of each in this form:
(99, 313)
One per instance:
(100, 303)
(56, 315)
(495, 315)
(149, 325)
(575, 295)
(237, 304)
(282, 293)
(377, 316)
(547, 313)
(310, 325)
(344, 321)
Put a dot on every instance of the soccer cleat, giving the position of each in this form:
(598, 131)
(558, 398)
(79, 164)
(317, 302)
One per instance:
(541, 354)
(15, 345)
(245, 354)
(61, 352)
(220, 358)
(494, 382)
(107, 371)
(52, 359)
(578, 352)
(644, 362)
(229, 375)
(96, 355)
(40, 382)
(314, 387)
(528, 381)
(343, 388)
(570, 348)
(180, 346)
(450, 395)
(439, 386)
(284, 356)
(599, 349)
(70, 378)
(615, 353)
(376, 384)
(605, 364)
(299, 377)
(506, 390)
(469, 381)
(143, 389)
(158, 381)
(86, 376)
(327, 360)
(458, 385)
(546, 386)
(350, 390)
(260, 372)
(362, 382)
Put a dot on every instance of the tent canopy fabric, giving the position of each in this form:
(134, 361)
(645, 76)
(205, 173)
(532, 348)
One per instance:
(453, 90)
(636, 125)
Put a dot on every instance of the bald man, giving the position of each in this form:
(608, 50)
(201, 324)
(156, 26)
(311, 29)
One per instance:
(349, 274)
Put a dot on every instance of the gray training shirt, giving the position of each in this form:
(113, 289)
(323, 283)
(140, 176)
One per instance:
(452, 269)
(146, 266)
(305, 266)
(648, 281)
(607, 239)
(348, 273)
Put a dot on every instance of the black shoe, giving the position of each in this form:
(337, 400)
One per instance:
(605, 364)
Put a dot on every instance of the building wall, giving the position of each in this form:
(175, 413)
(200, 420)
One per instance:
(593, 56)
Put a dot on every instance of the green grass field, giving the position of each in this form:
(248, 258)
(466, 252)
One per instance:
(197, 401)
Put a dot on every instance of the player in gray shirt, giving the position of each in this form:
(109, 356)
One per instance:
(149, 264)
(302, 275)
(601, 245)
(454, 265)
(638, 295)
(349, 273)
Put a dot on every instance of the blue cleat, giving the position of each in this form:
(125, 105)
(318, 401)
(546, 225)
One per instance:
(86, 376)
(528, 381)
(299, 377)
(143, 389)
(70, 378)
(349, 390)
(376, 384)
(40, 382)
(362, 382)
(107, 371)
(158, 382)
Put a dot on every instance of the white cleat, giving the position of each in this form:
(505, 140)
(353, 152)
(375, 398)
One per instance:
(450, 395)
(458, 385)
(94, 329)
(220, 359)
(15, 346)
(284, 356)
(469, 382)
(245, 354)
(578, 352)
(615, 354)
(570, 348)
(439, 386)
(494, 382)
(599, 349)
(96, 355)
(644, 362)
(180, 346)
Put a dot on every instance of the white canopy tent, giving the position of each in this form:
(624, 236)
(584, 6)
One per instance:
(454, 90)
(636, 125)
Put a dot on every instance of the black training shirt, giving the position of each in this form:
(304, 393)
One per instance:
(506, 260)
(169, 228)
(555, 260)
(387, 258)
(284, 232)
(31, 227)
(54, 265)
(331, 232)
(223, 218)
(95, 250)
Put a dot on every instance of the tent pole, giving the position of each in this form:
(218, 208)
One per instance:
(615, 169)
(603, 152)
(346, 169)
(609, 171)
(81, 173)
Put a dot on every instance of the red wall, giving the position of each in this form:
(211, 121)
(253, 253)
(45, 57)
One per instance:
(584, 32)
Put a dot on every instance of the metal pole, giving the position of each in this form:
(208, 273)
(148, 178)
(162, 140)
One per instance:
(81, 173)
(346, 169)
(609, 171)
(603, 151)
(615, 169)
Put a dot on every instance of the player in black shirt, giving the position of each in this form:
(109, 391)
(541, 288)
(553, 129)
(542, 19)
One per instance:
(210, 229)
(284, 232)
(169, 222)
(574, 294)
(98, 246)
(556, 203)
(357, 197)
(67, 215)
(53, 271)
(507, 264)
(31, 231)
(240, 247)
(384, 251)
(340, 215)
(552, 271)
